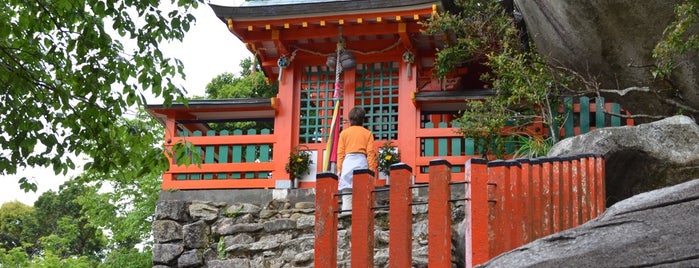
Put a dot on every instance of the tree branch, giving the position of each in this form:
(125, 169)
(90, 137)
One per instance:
(623, 92)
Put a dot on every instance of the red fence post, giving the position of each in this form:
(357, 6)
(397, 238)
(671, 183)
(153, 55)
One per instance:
(575, 190)
(566, 193)
(536, 205)
(591, 186)
(515, 204)
(557, 219)
(525, 181)
(476, 213)
(362, 238)
(497, 173)
(584, 192)
(546, 198)
(600, 184)
(325, 245)
(439, 215)
(400, 217)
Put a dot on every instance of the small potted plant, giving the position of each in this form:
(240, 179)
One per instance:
(298, 165)
(388, 155)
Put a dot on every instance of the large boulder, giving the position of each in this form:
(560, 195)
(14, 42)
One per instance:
(653, 229)
(613, 41)
(640, 158)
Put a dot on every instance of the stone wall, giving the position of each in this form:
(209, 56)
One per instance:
(270, 230)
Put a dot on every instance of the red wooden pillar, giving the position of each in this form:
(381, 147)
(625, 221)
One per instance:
(400, 217)
(170, 130)
(497, 173)
(476, 240)
(439, 214)
(325, 247)
(591, 186)
(600, 184)
(566, 195)
(575, 190)
(286, 121)
(362, 238)
(537, 202)
(546, 197)
(556, 211)
(525, 181)
(515, 205)
(583, 191)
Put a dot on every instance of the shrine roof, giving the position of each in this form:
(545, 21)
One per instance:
(216, 109)
(274, 9)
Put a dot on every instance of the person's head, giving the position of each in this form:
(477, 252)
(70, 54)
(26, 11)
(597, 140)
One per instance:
(356, 116)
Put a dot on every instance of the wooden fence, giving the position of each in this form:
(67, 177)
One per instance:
(507, 204)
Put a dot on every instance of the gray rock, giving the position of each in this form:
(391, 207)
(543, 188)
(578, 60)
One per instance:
(305, 205)
(203, 211)
(196, 235)
(279, 225)
(237, 263)
(303, 258)
(166, 231)
(380, 238)
(191, 258)
(230, 228)
(640, 158)
(653, 229)
(306, 222)
(238, 239)
(247, 218)
(166, 253)
(302, 243)
(613, 41)
(210, 254)
(171, 210)
(267, 213)
(242, 208)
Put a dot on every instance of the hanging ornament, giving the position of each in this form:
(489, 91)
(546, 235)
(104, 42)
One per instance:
(282, 62)
(409, 58)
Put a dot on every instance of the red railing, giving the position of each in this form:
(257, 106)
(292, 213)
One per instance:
(507, 204)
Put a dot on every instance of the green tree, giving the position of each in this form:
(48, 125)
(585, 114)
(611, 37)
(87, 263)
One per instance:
(248, 84)
(14, 218)
(127, 210)
(677, 40)
(61, 227)
(66, 80)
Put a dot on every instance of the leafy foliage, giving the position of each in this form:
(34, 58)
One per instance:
(249, 84)
(532, 147)
(67, 80)
(676, 40)
(526, 86)
(388, 155)
(62, 229)
(299, 163)
(15, 218)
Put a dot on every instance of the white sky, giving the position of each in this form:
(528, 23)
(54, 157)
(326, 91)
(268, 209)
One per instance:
(207, 50)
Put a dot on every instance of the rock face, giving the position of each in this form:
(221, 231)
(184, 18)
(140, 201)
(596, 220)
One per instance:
(613, 41)
(653, 229)
(641, 158)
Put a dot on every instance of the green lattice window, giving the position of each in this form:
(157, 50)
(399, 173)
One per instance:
(376, 91)
(317, 89)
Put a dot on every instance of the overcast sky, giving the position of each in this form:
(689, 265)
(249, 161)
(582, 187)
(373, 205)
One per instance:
(207, 50)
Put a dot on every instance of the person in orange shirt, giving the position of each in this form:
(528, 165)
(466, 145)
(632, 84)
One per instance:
(355, 150)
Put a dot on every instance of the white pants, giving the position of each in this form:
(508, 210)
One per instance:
(346, 200)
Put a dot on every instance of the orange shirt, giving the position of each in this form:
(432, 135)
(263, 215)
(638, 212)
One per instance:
(356, 139)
